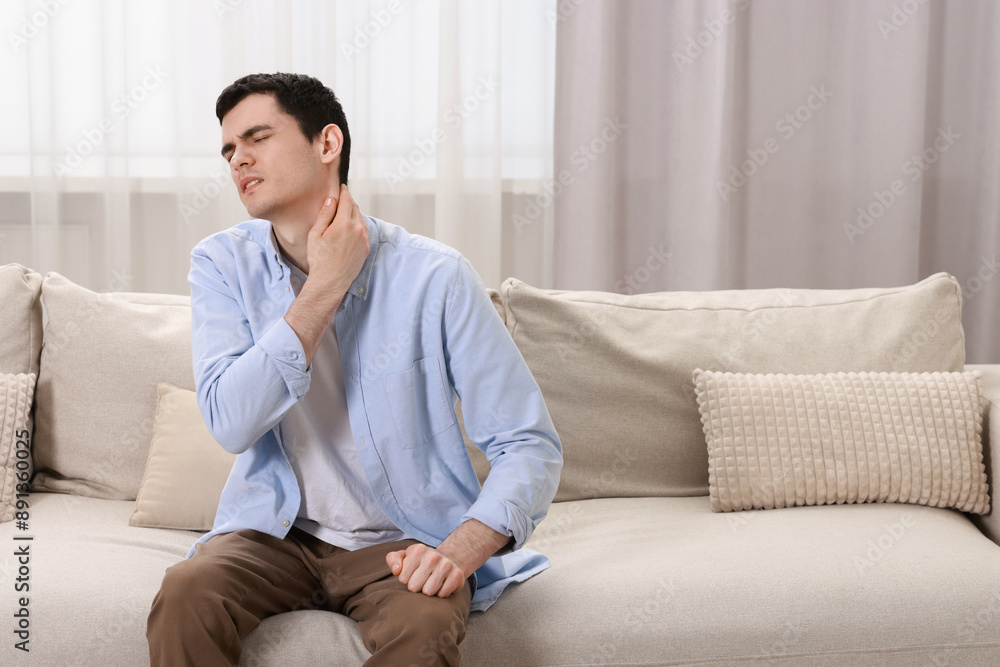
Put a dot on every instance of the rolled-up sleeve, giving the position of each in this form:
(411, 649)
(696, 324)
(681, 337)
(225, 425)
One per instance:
(503, 410)
(244, 387)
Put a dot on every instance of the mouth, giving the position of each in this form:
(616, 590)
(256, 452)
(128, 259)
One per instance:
(249, 184)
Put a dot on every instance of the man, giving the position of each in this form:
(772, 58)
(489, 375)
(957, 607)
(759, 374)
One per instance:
(328, 348)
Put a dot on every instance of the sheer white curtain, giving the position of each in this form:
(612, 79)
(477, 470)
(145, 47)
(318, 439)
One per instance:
(719, 144)
(109, 163)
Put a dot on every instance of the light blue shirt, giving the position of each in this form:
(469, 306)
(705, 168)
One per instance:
(415, 330)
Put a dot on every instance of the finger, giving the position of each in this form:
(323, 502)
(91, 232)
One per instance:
(326, 213)
(435, 578)
(359, 219)
(419, 578)
(411, 560)
(454, 581)
(348, 212)
(345, 194)
(360, 224)
(394, 559)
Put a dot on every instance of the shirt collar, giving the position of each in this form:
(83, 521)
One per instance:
(361, 286)
(362, 283)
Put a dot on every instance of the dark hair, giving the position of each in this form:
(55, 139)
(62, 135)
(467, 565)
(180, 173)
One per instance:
(305, 98)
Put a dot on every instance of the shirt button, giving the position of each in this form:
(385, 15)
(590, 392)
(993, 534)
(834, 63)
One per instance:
(284, 522)
(288, 465)
(361, 290)
(286, 288)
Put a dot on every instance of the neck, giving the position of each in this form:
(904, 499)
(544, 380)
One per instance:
(291, 225)
(293, 245)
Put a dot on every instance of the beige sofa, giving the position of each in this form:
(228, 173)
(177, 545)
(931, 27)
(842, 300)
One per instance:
(643, 571)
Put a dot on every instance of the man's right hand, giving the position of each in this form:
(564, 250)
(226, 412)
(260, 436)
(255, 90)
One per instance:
(336, 251)
(337, 246)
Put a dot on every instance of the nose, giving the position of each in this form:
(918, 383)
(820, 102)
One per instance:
(240, 157)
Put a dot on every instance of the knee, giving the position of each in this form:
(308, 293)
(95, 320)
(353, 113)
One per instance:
(186, 592)
(436, 629)
(187, 622)
(443, 616)
(443, 628)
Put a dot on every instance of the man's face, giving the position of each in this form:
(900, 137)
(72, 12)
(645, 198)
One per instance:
(277, 171)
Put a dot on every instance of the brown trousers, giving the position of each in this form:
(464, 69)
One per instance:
(208, 602)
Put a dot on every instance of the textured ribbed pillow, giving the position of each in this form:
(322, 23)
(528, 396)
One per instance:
(781, 440)
(15, 437)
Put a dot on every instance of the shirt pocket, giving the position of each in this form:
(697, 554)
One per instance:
(419, 400)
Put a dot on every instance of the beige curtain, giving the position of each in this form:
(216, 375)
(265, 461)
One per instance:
(716, 144)
(109, 165)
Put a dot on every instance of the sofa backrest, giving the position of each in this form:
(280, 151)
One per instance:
(21, 323)
(616, 370)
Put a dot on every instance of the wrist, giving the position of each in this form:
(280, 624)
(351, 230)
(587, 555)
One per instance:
(462, 560)
(472, 544)
(322, 298)
(310, 316)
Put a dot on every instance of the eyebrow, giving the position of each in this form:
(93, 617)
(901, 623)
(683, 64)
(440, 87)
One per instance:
(246, 134)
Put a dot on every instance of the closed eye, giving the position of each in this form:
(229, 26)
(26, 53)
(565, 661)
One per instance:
(229, 149)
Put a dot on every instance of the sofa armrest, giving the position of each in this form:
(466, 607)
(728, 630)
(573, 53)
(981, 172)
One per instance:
(990, 386)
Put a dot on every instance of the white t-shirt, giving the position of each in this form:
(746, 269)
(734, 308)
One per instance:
(338, 505)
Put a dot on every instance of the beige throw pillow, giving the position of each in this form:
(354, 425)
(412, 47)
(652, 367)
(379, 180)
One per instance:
(781, 440)
(186, 470)
(103, 355)
(615, 369)
(15, 438)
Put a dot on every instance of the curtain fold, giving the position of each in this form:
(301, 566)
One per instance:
(110, 171)
(781, 143)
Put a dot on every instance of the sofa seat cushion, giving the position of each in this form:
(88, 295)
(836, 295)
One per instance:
(660, 581)
(784, 587)
(809, 585)
(92, 579)
(816, 585)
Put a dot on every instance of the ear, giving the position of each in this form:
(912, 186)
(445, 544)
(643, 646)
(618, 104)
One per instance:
(330, 142)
